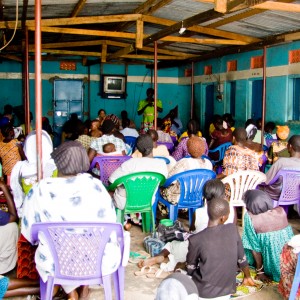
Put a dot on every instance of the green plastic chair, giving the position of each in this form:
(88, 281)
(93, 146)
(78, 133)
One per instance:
(140, 189)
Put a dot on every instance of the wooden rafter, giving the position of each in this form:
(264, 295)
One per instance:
(147, 7)
(243, 15)
(271, 5)
(203, 30)
(75, 21)
(77, 9)
(196, 19)
(133, 36)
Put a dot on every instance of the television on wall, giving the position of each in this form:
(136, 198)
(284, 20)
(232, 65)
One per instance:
(113, 86)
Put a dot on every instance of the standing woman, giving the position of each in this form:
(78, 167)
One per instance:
(266, 230)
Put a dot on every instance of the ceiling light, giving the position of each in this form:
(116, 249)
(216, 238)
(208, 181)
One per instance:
(182, 29)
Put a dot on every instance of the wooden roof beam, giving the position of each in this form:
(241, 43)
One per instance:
(202, 30)
(272, 5)
(243, 15)
(77, 9)
(75, 21)
(199, 18)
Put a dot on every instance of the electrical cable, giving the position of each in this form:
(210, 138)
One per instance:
(16, 25)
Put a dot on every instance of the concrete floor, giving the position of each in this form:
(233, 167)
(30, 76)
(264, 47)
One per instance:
(145, 288)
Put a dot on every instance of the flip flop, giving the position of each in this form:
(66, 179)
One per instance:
(159, 274)
(146, 271)
(136, 257)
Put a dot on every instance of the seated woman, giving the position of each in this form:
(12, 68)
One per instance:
(266, 230)
(69, 197)
(9, 232)
(218, 137)
(11, 150)
(158, 150)
(279, 147)
(196, 148)
(192, 131)
(288, 264)
(24, 173)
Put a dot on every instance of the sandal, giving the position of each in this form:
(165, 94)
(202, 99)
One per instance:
(136, 257)
(159, 274)
(146, 271)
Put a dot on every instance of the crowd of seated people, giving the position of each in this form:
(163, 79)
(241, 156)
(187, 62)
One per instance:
(65, 175)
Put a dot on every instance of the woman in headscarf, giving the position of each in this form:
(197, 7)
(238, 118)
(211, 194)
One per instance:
(266, 230)
(279, 147)
(196, 148)
(72, 196)
(192, 131)
(24, 173)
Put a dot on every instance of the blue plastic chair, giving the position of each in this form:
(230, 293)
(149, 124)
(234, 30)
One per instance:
(221, 149)
(163, 158)
(131, 141)
(191, 186)
(77, 249)
(296, 281)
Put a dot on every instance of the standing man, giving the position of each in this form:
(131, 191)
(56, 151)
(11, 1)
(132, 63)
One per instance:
(146, 107)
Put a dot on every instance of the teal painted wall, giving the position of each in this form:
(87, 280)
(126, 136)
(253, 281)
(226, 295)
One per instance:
(173, 88)
(169, 91)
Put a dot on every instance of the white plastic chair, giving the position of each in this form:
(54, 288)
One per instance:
(239, 183)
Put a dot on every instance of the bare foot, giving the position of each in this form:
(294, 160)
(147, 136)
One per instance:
(151, 261)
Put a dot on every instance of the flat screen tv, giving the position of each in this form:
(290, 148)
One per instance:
(113, 86)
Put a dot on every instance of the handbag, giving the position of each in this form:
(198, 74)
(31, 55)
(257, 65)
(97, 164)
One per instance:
(169, 233)
(153, 245)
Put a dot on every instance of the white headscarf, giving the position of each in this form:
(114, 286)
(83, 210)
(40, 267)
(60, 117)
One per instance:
(27, 169)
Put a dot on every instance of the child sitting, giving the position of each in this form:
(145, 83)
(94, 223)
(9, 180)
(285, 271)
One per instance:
(214, 254)
(176, 251)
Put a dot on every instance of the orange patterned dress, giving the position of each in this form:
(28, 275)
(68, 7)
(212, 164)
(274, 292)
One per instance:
(9, 153)
(288, 263)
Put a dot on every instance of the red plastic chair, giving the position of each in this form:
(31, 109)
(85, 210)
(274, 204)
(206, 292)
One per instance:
(78, 250)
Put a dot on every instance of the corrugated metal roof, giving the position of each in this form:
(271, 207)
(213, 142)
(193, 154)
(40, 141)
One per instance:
(163, 18)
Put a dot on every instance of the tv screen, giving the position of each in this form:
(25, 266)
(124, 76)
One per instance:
(113, 86)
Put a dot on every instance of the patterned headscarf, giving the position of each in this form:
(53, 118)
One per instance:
(196, 147)
(71, 158)
(282, 132)
(114, 118)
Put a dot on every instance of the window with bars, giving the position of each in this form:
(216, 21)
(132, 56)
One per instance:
(257, 62)
(231, 65)
(294, 56)
(207, 70)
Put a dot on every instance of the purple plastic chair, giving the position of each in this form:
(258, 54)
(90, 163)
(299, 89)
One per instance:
(290, 192)
(191, 186)
(170, 146)
(107, 165)
(77, 250)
